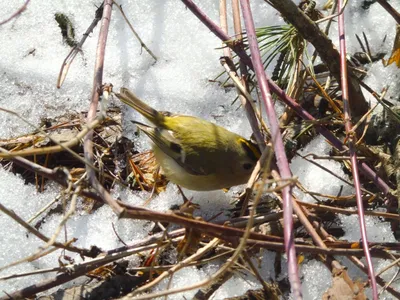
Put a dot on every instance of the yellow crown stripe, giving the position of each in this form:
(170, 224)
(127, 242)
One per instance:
(250, 148)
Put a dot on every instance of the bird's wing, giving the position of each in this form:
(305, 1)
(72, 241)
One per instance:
(170, 145)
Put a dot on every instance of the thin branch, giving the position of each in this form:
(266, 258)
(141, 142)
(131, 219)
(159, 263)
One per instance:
(19, 11)
(142, 44)
(72, 272)
(96, 90)
(352, 151)
(347, 212)
(39, 235)
(74, 51)
(279, 148)
(395, 14)
(199, 253)
(328, 53)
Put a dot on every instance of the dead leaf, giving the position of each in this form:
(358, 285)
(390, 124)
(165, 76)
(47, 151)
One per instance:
(343, 288)
(395, 56)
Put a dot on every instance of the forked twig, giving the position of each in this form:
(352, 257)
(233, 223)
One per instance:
(142, 44)
(74, 51)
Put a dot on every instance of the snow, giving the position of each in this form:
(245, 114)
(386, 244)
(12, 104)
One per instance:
(178, 82)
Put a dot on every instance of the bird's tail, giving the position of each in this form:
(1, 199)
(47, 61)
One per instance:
(127, 97)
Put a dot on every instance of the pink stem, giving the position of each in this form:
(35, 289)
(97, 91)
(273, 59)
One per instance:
(279, 148)
(353, 155)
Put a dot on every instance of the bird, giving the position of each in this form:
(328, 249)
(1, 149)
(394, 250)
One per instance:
(194, 153)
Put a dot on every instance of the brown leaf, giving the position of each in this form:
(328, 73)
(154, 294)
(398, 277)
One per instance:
(395, 56)
(343, 288)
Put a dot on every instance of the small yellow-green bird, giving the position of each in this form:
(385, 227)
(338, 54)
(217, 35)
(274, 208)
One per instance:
(194, 153)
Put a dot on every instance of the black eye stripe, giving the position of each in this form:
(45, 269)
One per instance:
(251, 149)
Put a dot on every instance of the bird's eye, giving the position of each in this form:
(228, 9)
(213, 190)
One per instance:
(176, 147)
(247, 166)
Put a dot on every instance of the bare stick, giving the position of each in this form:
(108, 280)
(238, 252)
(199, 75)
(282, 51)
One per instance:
(74, 51)
(201, 252)
(279, 148)
(142, 44)
(38, 234)
(52, 149)
(96, 90)
(19, 11)
(351, 141)
(395, 14)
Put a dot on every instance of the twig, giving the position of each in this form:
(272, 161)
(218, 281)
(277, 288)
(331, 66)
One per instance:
(65, 218)
(348, 211)
(142, 44)
(326, 169)
(246, 99)
(381, 282)
(44, 209)
(137, 269)
(395, 14)
(72, 272)
(96, 90)
(332, 15)
(255, 271)
(230, 262)
(39, 235)
(52, 149)
(279, 148)
(74, 51)
(201, 252)
(352, 151)
(226, 62)
(310, 31)
(57, 174)
(392, 264)
(19, 11)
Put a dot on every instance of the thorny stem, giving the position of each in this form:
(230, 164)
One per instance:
(279, 148)
(352, 152)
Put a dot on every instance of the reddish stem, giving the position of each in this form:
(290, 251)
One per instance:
(395, 14)
(353, 155)
(19, 11)
(279, 148)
